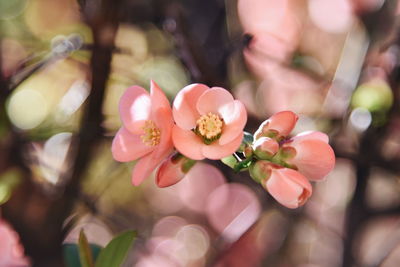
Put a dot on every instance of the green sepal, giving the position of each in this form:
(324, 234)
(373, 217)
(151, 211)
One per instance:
(188, 164)
(242, 165)
(230, 161)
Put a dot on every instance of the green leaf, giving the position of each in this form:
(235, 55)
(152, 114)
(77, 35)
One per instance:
(114, 253)
(71, 254)
(85, 253)
(230, 161)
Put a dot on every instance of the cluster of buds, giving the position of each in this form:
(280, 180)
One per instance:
(285, 166)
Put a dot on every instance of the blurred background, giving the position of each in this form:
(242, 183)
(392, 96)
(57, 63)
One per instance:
(64, 65)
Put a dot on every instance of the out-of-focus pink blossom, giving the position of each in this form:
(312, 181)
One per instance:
(232, 209)
(146, 131)
(209, 122)
(288, 187)
(279, 124)
(314, 157)
(173, 169)
(11, 251)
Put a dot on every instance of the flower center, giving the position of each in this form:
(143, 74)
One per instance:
(151, 135)
(209, 126)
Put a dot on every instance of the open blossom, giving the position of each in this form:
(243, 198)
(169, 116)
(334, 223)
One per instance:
(146, 131)
(11, 251)
(209, 122)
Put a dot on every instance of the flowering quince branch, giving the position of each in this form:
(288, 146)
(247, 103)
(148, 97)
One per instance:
(208, 123)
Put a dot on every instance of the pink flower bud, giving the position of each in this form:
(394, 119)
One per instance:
(261, 170)
(278, 125)
(265, 147)
(314, 157)
(288, 187)
(173, 169)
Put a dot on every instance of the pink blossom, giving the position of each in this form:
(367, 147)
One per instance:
(288, 187)
(209, 122)
(313, 156)
(11, 251)
(146, 131)
(278, 125)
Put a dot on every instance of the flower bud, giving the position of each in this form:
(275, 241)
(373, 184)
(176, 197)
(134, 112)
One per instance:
(288, 187)
(260, 170)
(277, 126)
(314, 157)
(265, 147)
(173, 169)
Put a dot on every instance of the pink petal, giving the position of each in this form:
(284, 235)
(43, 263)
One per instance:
(134, 107)
(143, 168)
(216, 151)
(184, 106)
(158, 98)
(288, 187)
(213, 100)
(311, 135)
(163, 120)
(314, 158)
(127, 146)
(283, 122)
(187, 143)
(235, 118)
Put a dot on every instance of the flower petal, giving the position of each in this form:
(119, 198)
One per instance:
(143, 168)
(127, 146)
(163, 120)
(283, 122)
(314, 158)
(288, 187)
(158, 98)
(135, 107)
(216, 151)
(187, 143)
(184, 106)
(213, 100)
(235, 118)
(311, 135)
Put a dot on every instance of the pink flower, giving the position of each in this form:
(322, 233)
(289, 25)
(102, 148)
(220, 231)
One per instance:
(146, 131)
(288, 187)
(313, 156)
(173, 169)
(11, 251)
(278, 125)
(209, 122)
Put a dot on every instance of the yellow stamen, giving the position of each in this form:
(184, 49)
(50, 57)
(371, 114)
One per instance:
(152, 134)
(209, 126)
